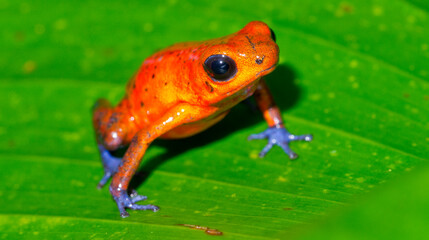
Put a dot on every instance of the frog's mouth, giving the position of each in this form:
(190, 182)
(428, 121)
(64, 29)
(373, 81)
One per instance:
(265, 70)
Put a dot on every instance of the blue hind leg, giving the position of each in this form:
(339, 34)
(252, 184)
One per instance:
(110, 164)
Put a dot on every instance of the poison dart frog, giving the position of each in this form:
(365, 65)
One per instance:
(181, 91)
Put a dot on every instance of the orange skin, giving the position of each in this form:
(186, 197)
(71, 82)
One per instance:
(172, 96)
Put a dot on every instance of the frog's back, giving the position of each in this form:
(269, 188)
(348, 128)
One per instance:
(164, 79)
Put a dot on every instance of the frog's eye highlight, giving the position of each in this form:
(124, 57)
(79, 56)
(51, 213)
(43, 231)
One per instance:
(220, 67)
(273, 35)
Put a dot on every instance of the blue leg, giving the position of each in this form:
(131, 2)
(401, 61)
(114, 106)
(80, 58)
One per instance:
(110, 164)
(280, 137)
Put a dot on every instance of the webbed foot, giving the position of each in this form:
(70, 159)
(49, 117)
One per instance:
(129, 201)
(280, 137)
(110, 164)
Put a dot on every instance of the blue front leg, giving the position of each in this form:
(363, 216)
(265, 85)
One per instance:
(111, 165)
(281, 137)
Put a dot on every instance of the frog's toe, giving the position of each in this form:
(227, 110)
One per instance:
(104, 179)
(285, 146)
(129, 201)
(135, 197)
(266, 149)
(305, 137)
(110, 164)
(261, 135)
(144, 207)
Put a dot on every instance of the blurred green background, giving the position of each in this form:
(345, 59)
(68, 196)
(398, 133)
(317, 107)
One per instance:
(353, 73)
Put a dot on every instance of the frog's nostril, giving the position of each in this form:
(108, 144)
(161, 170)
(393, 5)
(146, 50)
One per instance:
(259, 60)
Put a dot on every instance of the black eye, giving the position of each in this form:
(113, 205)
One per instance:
(220, 67)
(273, 35)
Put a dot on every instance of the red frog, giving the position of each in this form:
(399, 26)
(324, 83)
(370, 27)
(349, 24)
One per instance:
(183, 90)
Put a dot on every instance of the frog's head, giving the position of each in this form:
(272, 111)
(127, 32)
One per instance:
(233, 65)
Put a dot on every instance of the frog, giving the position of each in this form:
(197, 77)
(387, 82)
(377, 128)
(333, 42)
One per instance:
(183, 90)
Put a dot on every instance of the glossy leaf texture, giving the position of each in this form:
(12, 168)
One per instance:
(353, 73)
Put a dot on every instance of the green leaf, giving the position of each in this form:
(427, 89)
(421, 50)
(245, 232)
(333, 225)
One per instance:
(399, 210)
(354, 74)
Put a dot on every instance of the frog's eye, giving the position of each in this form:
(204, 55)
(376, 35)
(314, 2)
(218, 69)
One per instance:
(273, 35)
(220, 67)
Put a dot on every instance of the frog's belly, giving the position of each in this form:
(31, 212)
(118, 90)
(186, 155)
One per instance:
(189, 129)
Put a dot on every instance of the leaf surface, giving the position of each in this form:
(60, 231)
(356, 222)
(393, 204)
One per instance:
(354, 74)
